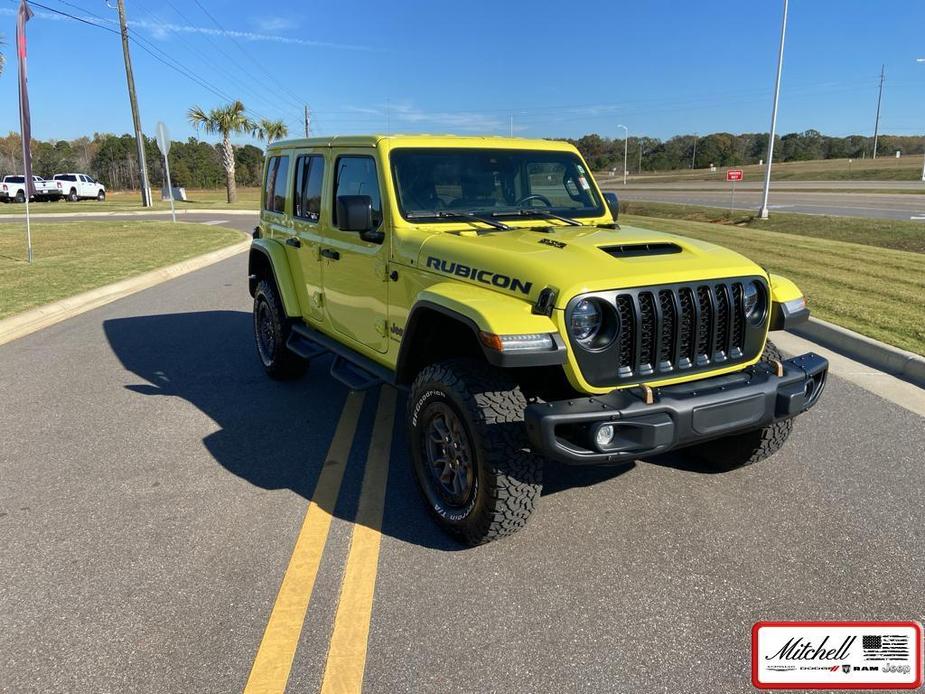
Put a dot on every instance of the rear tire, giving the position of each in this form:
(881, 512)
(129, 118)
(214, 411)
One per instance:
(72, 196)
(750, 447)
(271, 330)
(20, 196)
(469, 450)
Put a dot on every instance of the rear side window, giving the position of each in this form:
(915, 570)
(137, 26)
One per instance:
(15, 179)
(356, 175)
(274, 198)
(309, 175)
(66, 177)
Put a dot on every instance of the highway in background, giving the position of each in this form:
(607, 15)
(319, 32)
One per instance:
(846, 199)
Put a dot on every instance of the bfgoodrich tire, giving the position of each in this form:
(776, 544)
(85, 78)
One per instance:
(271, 330)
(469, 450)
(750, 447)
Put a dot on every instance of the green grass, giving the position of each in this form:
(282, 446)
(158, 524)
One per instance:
(908, 168)
(74, 257)
(874, 291)
(883, 233)
(120, 201)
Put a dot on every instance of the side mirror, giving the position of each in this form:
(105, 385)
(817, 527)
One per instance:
(613, 202)
(354, 213)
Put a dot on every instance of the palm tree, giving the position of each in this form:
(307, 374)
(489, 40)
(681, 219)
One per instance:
(271, 130)
(227, 120)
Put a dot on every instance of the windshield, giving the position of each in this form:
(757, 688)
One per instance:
(491, 181)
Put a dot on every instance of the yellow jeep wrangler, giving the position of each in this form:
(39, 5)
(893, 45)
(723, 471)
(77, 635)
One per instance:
(490, 278)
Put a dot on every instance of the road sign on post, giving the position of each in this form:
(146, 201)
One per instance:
(733, 175)
(163, 144)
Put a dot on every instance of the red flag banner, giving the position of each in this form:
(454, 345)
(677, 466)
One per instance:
(25, 121)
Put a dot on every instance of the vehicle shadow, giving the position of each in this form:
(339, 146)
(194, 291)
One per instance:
(276, 434)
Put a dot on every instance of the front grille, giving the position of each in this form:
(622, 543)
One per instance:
(675, 329)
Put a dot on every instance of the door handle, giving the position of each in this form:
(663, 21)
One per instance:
(330, 253)
(294, 242)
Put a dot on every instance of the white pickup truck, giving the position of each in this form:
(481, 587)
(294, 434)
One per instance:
(13, 189)
(78, 186)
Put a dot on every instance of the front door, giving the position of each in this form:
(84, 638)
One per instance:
(354, 271)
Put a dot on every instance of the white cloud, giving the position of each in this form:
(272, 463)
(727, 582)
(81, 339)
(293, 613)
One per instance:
(268, 25)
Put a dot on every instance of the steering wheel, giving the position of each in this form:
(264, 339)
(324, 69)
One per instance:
(542, 198)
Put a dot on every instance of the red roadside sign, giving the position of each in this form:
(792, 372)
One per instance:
(734, 174)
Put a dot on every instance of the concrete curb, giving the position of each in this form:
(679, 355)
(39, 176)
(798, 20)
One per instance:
(27, 322)
(131, 213)
(892, 360)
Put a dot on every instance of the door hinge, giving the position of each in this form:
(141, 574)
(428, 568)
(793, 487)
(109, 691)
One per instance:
(318, 299)
(382, 327)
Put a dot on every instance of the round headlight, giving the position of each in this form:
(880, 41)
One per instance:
(753, 301)
(586, 321)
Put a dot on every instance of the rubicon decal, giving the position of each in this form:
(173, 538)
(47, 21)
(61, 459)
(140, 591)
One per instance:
(479, 275)
(837, 655)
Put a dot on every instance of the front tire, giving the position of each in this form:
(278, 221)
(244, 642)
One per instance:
(750, 447)
(101, 196)
(469, 450)
(271, 330)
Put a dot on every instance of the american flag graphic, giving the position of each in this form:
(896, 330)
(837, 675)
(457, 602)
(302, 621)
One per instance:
(885, 647)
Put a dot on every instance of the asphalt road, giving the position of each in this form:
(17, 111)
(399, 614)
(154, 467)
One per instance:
(235, 219)
(782, 197)
(153, 486)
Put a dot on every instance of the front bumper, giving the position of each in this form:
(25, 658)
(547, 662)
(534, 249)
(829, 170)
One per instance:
(679, 415)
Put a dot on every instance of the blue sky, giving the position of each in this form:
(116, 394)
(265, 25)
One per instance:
(560, 69)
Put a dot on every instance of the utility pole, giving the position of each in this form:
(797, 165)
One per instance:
(308, 121)
(639, 171)
(877, 122)
(763, 212)
(694, 154)
(136, 118)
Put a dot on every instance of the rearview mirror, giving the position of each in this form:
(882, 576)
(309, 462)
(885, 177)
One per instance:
(613, 202)
(354, 213)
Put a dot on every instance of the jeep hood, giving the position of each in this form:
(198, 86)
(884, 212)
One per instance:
(575, 260)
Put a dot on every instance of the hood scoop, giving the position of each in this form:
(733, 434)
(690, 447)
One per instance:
(636, 250)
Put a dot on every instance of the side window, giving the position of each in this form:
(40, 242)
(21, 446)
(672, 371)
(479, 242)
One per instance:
(309, 177)
(275, 186)
(356, 175)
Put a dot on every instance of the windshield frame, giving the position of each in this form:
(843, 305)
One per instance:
(417, 217)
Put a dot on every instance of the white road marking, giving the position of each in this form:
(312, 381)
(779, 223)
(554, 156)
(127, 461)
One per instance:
(214, 222)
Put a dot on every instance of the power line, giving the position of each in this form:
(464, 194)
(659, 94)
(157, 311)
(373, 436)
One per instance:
(241, 68)
(264, 70)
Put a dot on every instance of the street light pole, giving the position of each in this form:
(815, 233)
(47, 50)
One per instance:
(922, 60)
(763, 212)
(626, 144)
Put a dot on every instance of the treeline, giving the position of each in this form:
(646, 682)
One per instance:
(113, 160)
(725, 149)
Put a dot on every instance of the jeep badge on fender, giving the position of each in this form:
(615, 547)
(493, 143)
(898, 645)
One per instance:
(488, 277)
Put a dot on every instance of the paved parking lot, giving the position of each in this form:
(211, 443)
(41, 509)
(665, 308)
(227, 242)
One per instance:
(167, 512)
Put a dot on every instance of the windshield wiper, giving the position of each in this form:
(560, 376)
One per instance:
(448, 214)
(527, 212)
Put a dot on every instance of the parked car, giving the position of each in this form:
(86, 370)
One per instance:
(78, 186)
(13, 189)
(489, 277)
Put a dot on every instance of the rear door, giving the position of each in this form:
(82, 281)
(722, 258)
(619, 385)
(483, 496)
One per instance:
(276, 208)
(305, 263)
(354, 271)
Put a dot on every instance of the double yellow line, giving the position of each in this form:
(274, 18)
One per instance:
(347, 652)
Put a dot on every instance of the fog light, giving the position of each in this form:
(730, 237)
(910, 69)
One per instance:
(604, 435)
